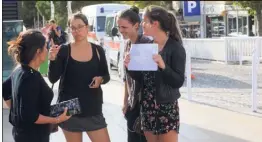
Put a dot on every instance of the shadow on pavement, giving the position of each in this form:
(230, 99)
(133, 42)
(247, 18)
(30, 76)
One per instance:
(205, 80)
(190, 133)
(117, 129)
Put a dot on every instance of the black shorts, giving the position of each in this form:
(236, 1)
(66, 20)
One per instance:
(84, 124)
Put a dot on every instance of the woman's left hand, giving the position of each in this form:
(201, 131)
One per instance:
(159, 60)
(97, 81)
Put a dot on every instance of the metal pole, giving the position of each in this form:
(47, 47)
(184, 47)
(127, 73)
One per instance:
(43, 21)
(203, 21)
(38, 22)
(226, 50)
(188, 75)
(255, 63)
(237, 22)
(248, 26)
(241, 51)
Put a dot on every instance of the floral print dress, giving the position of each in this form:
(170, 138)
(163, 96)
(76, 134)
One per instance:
(157, 118)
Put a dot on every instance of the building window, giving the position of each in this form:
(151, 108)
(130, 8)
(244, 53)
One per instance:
(237, 23)
(215, 26)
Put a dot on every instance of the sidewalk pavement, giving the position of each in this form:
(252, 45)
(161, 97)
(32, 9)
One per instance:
(199, 123)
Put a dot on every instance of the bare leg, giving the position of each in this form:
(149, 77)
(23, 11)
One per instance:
(100, 135)
(150, 137)
(171, 136)
(73, 136)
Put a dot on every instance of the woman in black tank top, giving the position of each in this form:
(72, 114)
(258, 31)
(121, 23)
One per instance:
(82, 67)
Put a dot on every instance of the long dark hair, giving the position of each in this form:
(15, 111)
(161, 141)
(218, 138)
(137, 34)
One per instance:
(157, 13)
(24, 48)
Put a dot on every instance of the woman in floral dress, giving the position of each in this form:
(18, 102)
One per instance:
(159, 99)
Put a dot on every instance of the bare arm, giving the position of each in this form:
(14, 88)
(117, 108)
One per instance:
(8, 103)
(45, 120)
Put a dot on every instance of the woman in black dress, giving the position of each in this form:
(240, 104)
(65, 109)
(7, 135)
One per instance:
(25, 91)
(160, 93)
(129, 24)
(82, 67)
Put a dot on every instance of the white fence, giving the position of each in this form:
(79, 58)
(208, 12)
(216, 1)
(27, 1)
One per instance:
(228, 49)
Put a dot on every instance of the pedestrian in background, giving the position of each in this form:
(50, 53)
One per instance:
(25, 91)
(54, 33)
(160, 92)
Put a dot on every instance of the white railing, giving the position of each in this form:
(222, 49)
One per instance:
(234, 50)
(228, 49)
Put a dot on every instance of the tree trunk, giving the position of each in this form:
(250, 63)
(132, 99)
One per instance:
(259, 20)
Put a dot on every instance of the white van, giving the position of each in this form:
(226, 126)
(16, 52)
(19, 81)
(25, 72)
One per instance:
(96, 15)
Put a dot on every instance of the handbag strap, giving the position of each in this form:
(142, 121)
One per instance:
(63, 75)
(97, 52)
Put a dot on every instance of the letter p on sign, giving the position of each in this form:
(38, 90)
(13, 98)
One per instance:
(191, 8)
(191, 5)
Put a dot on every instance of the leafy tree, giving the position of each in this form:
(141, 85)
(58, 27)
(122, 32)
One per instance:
(61, 16)
(143, 4)
(44, 9)
(28, 13)
(255, 8)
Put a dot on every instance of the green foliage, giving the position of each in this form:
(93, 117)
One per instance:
(252, 6)
(28, 13)
(61, 16)
(254, 9)
(30, 9)
(143, 4)
(44, 9)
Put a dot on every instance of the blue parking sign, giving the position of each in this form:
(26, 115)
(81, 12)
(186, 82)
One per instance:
(192, 8)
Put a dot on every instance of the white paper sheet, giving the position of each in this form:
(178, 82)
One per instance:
(141, 57)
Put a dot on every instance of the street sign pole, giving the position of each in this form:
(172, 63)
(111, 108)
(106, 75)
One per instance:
(203, 20)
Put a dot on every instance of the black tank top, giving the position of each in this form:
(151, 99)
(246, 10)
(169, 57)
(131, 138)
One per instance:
(77, 79)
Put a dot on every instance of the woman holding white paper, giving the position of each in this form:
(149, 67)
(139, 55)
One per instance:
(160, 92)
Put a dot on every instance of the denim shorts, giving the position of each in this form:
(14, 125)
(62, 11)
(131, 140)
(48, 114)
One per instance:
(84, 124)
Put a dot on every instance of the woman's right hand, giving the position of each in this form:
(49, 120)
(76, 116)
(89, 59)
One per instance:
(63, 117)
(54, 49)
(127, 60)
